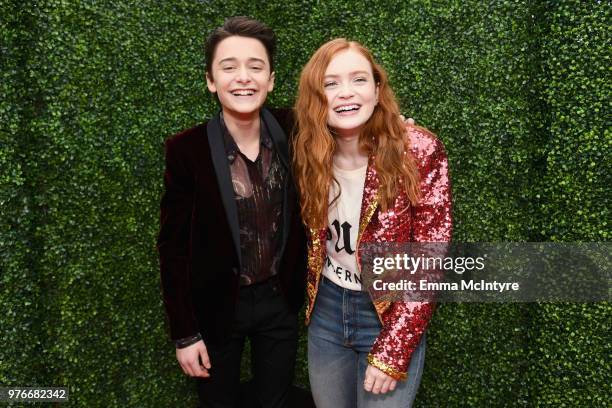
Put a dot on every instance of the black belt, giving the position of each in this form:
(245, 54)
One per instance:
(271, 281)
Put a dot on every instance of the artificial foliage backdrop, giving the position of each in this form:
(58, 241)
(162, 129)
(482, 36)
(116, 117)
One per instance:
(518, 91)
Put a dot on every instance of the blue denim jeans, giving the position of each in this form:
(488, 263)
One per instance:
(342, 330)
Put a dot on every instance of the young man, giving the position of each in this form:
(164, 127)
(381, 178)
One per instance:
(231, 243)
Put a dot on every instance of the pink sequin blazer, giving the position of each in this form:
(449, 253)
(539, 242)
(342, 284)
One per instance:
(403, 323)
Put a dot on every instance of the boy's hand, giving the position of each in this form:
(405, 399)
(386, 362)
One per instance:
(189, 359)
(408, 122)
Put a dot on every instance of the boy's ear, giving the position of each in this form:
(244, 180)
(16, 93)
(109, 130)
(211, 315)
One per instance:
(210, 83)
(271, 82)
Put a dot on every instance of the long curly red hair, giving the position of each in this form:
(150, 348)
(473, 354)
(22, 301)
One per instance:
(383, 138)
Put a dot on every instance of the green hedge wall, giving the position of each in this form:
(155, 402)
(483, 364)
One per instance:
(569, 343)
(20, 292)
(519, 92)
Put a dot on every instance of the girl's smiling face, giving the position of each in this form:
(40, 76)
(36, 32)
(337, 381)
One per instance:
(351, 92)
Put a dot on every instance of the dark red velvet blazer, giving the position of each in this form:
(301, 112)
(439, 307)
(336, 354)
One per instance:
(198, 242)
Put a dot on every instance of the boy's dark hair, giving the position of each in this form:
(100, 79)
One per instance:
(244, 27)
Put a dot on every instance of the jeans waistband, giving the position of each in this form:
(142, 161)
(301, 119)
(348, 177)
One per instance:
(339, 289)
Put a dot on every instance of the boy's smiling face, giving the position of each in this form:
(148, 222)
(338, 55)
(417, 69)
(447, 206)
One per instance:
(241, 75)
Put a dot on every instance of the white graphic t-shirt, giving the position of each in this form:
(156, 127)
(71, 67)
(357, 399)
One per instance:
(343, 226)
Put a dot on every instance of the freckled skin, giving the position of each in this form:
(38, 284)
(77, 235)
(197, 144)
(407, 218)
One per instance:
(349, 80)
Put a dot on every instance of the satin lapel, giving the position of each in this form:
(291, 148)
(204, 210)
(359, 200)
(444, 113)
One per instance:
(369, 201)
(224, 178)
(279, 138)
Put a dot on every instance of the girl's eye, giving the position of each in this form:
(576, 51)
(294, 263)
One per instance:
(329, 84)
(360, 79)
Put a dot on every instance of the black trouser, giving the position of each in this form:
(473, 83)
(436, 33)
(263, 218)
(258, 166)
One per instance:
(263, 315)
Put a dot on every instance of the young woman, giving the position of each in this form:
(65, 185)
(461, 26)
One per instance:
(362, 179)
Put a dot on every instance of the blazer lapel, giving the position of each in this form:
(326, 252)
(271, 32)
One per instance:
(279, 138)
(224, 178)
(369, 201)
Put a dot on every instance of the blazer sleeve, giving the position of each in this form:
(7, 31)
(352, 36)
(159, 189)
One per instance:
(405, 322)
(173, 243)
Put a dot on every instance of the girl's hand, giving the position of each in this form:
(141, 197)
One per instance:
(378, 382)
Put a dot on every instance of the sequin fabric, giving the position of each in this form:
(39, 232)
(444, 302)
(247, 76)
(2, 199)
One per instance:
(403, 323)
